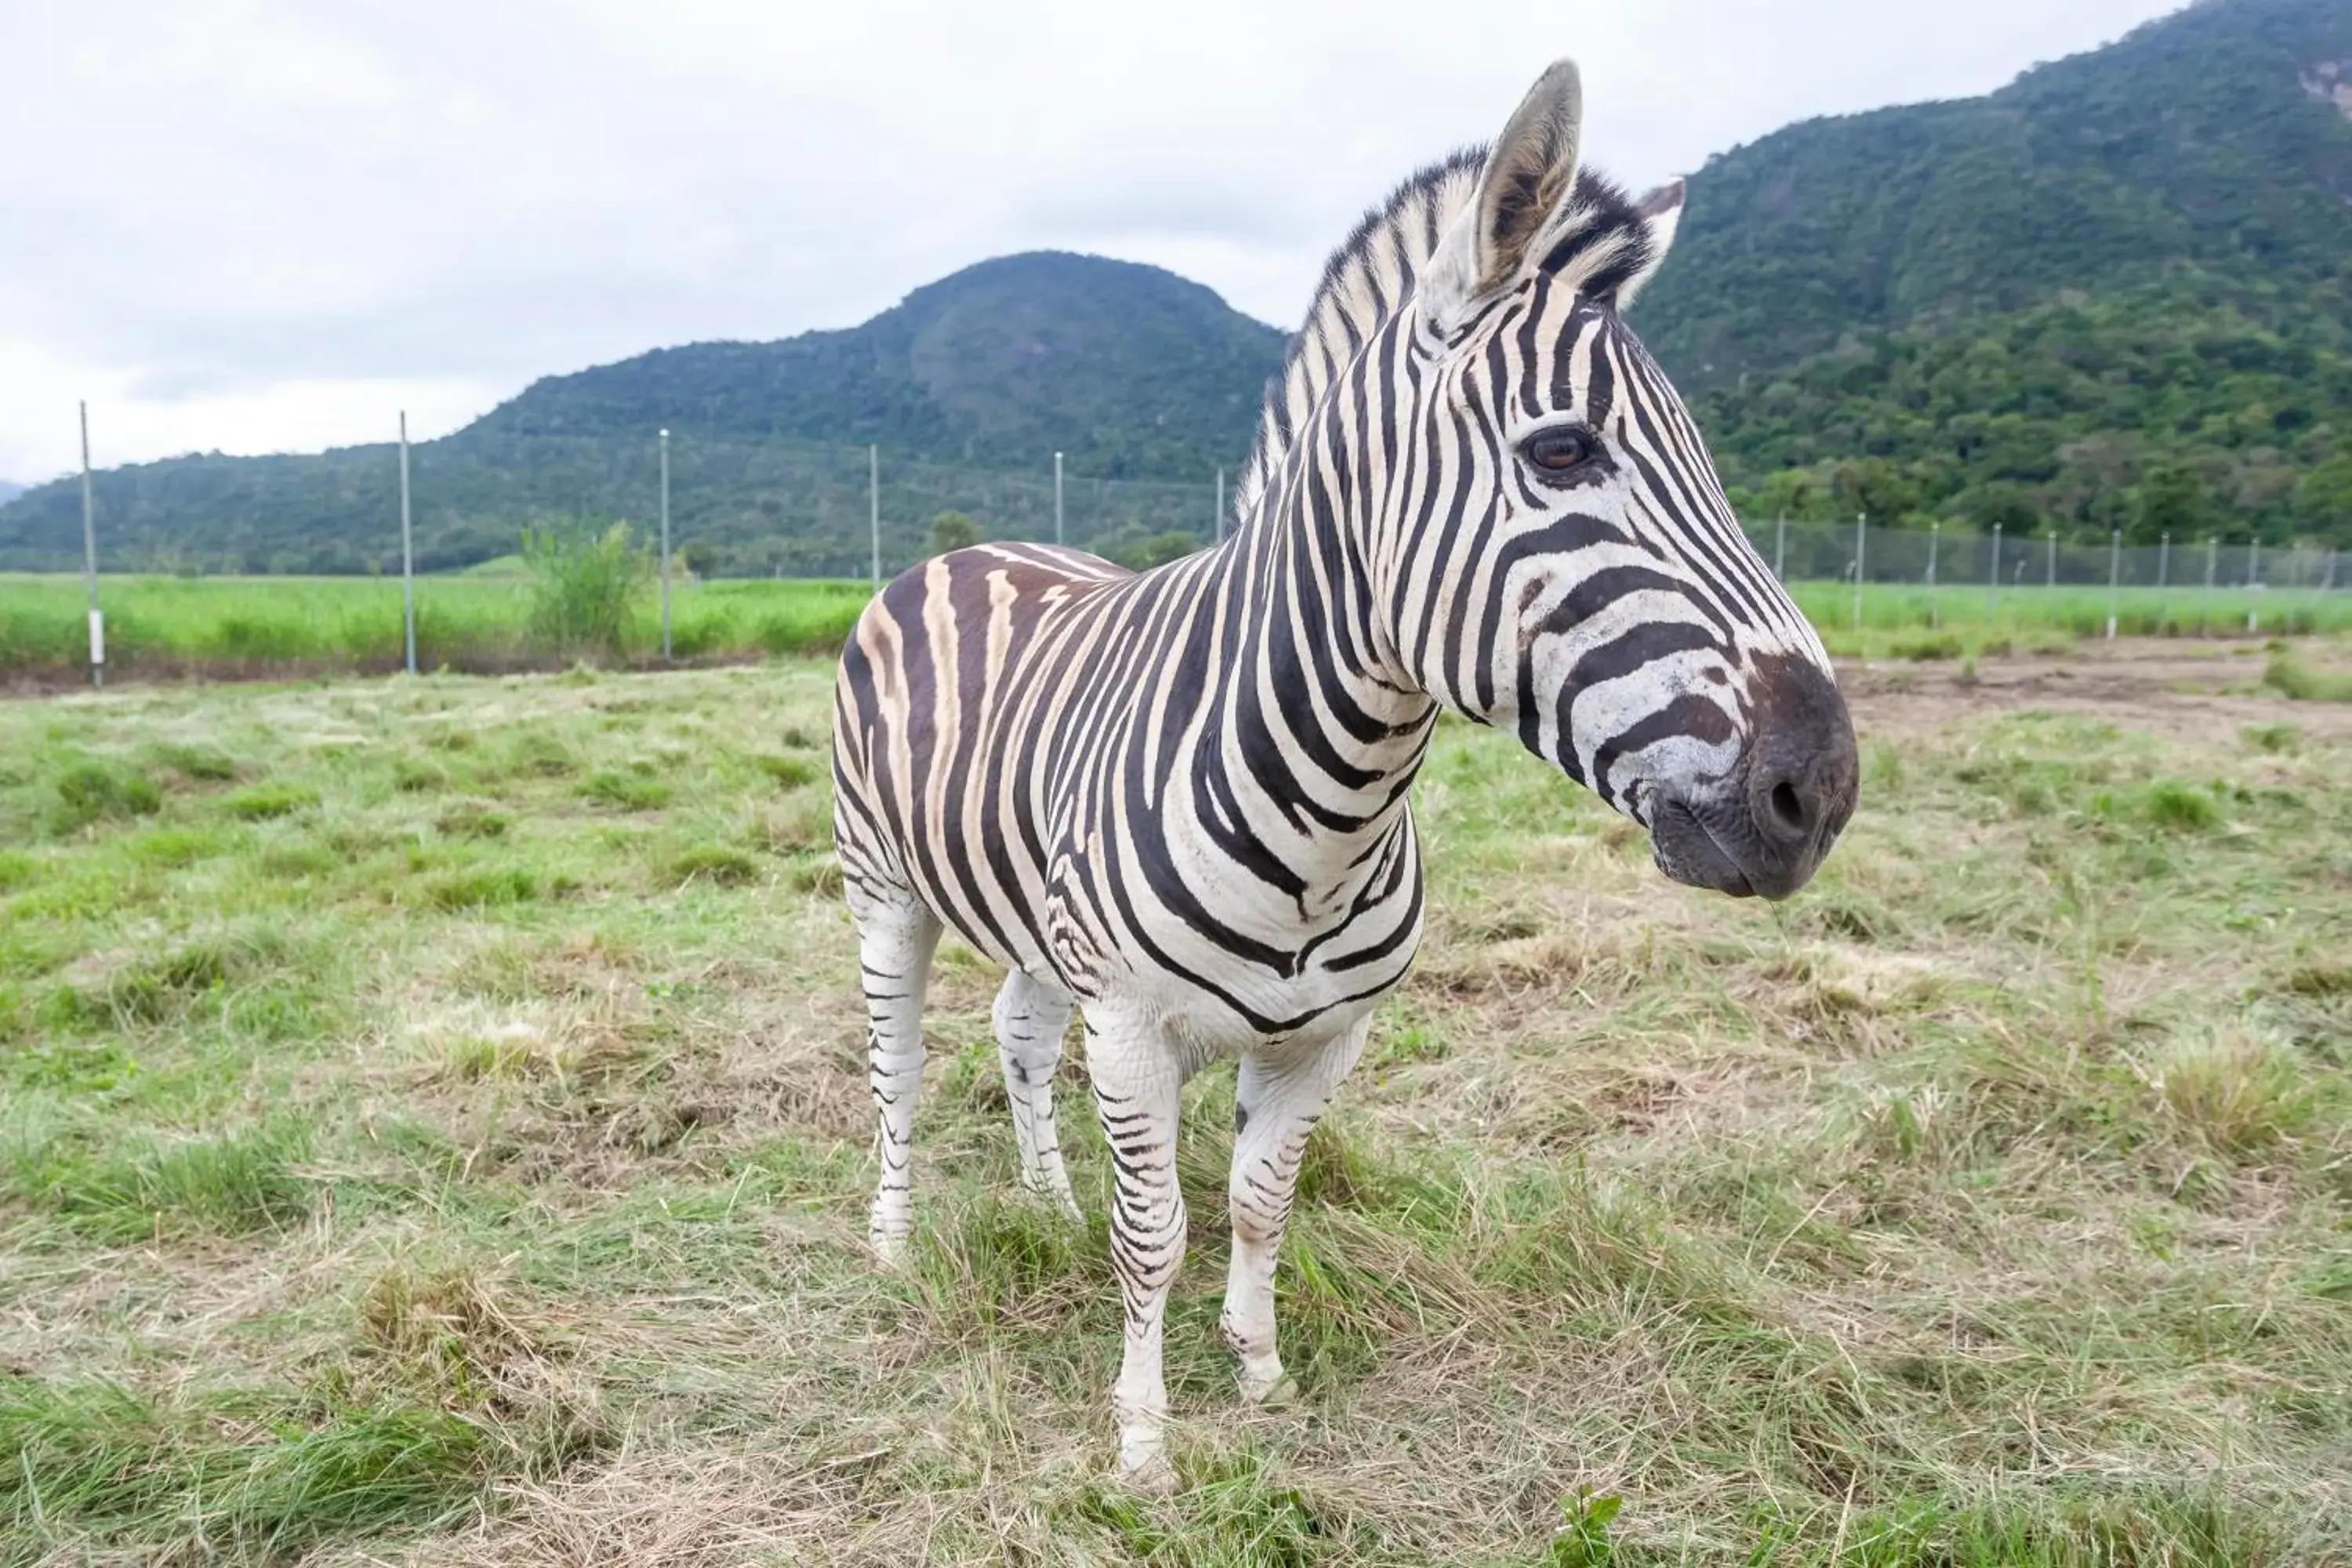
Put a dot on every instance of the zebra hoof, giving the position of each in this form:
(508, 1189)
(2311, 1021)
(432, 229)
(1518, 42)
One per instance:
(1282, 1392)
(1151, 1476)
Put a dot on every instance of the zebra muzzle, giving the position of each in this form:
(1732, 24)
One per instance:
(1766, 829)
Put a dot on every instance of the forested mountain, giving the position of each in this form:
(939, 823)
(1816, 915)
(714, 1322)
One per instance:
(1128, 371)
(2207, 143)
(1139, 377)
(2178, 407)
(10, 491)
(2116, 293)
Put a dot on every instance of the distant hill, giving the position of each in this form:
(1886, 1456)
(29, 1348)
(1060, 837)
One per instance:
(10, 491)
(2209, 142)
(969, 386)
(2116, 293)
(1128, 371)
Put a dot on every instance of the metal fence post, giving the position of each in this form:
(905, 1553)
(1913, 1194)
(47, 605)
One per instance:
(2163, 578)
(1057, 498)
(1992, 574)
(873, 508)
(1935, 599)
(1220, 506)
(2114, 576)
(665, 544)
(1861, 529)
(1781, 548)
(90, 560)
(407, 553)
(2213, 564)
(2253, 575)
(2053, 574)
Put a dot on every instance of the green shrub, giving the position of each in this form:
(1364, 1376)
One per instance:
(583, 583)
(90, 792)
(954, 531)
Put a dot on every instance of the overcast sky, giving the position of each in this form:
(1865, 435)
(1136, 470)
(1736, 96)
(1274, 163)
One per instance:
(267, 225)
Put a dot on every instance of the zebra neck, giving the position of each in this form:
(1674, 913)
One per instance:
(1318, 734)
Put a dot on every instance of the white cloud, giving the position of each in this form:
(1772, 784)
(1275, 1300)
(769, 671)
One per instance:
(254, 224)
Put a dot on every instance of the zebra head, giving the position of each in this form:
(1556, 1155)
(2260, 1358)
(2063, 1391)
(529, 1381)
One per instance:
(1566, 563)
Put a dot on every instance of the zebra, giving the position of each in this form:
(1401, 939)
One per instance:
(1177, 801)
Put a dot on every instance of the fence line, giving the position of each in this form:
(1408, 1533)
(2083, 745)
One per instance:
(782, 506)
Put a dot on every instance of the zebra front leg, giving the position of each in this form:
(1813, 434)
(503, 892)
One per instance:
(1275, 1106)
(1137, 1083)
(894, 960)
(1031, 1019)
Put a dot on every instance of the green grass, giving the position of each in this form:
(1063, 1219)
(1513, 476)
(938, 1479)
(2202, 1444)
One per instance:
(2289, 675)
(1903, 621)
(432, 1126)
(159, 627)
(131, 1186)
(103, 1465)
(482, 620)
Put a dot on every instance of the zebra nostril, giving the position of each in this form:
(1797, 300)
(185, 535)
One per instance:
(1787, 808)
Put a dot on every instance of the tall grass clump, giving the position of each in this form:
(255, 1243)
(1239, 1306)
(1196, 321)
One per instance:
(144, 1185)
(2298, 683)
(228, 1476)
(582, 585)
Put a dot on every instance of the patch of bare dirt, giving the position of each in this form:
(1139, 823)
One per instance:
(2198, 692)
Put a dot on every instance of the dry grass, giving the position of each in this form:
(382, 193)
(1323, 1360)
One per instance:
(434, 1134)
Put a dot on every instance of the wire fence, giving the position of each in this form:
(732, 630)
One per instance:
(767, 507)
(740, 508)
(1916, 576)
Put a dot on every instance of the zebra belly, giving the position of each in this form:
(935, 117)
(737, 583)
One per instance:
(1207, 1010)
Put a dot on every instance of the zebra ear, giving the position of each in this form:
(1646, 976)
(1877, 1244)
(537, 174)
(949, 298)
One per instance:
(1529, 172)
(1661, 212)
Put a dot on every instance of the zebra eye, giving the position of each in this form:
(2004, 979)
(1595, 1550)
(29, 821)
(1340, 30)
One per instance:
(1558, 451)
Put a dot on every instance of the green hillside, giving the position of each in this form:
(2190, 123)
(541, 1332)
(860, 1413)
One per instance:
(1145, 382)
(2113, 294)
(2198, 143)
(1128, 371)
(2173, 408)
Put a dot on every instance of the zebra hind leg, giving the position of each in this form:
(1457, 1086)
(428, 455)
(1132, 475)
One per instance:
(1137, 1085)
(894, 959)
(1275, 1106)
(1031, 1019)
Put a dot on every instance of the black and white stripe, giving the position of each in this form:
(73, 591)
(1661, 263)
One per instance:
(1177, 801)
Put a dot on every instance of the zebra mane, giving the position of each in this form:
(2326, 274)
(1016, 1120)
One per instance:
(1601, 238)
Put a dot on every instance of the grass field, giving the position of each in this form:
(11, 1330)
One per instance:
(1968, 618)
(245, 628)
(241, 628)
(435, 1132)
